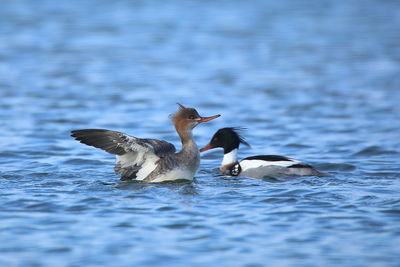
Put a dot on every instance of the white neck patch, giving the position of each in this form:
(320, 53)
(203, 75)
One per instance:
(229, 157)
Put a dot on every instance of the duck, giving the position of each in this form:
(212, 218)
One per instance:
(260, 166)
(151, 160)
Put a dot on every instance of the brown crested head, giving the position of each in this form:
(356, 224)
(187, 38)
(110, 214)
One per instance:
(188, 118)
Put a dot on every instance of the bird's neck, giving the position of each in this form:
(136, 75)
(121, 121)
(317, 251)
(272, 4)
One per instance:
(229, 158)
(186, 136)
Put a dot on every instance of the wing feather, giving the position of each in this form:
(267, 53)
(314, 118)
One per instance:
(119, 143)
(136, 157)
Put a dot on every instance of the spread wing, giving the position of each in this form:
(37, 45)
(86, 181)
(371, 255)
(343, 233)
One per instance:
(119, 143)
(136, 157)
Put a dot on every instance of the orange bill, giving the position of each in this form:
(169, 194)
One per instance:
(207, 147)
(204, 119)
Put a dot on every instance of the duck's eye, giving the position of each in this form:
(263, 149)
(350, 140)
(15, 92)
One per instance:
(192, 117)
(215, 139)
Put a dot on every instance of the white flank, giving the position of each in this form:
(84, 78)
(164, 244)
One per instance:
(176, 174)
(256, 163)
(229, 158)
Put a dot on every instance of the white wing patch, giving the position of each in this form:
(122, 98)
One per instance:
(129, 159)
(148, 166)
(145, 162)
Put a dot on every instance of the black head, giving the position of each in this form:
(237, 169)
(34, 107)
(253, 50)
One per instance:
(227, 138)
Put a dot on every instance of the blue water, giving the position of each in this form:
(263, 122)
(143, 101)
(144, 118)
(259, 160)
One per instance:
(315, 80)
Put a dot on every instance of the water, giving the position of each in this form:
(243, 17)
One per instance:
(315, 80)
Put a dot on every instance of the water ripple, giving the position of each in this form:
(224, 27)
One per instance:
(312, 81)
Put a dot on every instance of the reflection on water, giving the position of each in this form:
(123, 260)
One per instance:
(314, 80)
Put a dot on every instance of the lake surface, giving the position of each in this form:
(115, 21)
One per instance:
(315, 80)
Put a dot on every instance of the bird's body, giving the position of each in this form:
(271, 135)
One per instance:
(150, 160)
(256, 166)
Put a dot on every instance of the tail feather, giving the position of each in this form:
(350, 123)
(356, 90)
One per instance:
(307, 170)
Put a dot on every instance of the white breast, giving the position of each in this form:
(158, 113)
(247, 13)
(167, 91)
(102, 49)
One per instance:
(229, 158)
